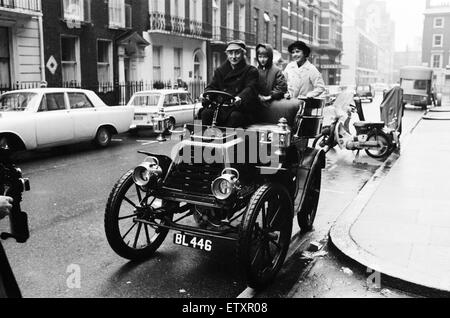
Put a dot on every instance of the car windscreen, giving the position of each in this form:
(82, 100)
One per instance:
(15, 102)
(363, 89)
(146, 100)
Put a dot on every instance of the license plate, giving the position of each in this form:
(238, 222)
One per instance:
(191, 241)
(138, 118)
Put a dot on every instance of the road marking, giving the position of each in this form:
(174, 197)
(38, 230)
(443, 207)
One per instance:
(119, 140)
(333, 167)
(146, 142)
(247, 293)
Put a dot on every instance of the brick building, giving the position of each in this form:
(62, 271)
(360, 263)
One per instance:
(436, 43)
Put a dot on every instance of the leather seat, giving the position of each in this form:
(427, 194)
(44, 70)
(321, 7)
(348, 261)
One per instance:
(268, 118)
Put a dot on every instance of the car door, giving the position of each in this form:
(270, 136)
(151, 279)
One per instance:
(53, 121)
(172, 107)
(187, 107)
(85, 116)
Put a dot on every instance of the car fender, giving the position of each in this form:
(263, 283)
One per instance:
(24, 129)
(118, 117)
(311, 158)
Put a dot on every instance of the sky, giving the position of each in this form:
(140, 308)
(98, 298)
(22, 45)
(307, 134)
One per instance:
(407, 15)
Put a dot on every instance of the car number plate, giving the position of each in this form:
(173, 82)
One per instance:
(191, 241)
(138, 118)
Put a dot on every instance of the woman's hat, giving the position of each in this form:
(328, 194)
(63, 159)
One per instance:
(301, 46)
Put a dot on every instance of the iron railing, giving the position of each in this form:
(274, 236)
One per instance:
(223, 34)
(23, 5)
(160, 21)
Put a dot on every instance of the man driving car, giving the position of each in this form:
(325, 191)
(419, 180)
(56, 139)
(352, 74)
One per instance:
(239, 79)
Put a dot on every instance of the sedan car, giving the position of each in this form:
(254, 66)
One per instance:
(46, 117)
(177, 104)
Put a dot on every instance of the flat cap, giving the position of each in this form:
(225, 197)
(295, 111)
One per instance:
(236, 45)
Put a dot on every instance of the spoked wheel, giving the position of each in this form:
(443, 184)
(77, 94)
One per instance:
(130, 239)
(307, 213)
(265, 234)
(384, 148)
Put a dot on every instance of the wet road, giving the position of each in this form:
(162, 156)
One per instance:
(70, 187)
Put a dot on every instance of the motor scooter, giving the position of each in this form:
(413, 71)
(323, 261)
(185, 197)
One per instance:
(377, 139)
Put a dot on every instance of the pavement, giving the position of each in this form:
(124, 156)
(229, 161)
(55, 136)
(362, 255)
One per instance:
(399, 224)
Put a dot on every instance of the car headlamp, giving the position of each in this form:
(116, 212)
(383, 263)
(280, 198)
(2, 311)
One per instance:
(148, 173)
(226, 185)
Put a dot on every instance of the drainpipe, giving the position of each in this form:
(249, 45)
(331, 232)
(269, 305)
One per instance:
(41, 39)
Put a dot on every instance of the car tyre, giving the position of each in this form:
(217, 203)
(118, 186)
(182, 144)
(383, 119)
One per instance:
(265, 234)
(103, 137)
(124, 204)
(307, 214)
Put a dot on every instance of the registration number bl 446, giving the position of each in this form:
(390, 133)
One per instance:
(192, 242)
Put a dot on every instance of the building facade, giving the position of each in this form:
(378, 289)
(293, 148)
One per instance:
(319, 24)
(436, 43)
(86, 47)
(21, 47)
(179, 33)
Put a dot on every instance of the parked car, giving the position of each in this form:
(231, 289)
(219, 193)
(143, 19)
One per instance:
(177, 104)
(46, 117)
(365, 92)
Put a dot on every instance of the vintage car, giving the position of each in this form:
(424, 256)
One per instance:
(215, 183)
(365, 92)
(177, 104)
(46, 117)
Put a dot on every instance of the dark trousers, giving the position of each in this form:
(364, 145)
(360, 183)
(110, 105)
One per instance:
(226, 118)
(8, 283)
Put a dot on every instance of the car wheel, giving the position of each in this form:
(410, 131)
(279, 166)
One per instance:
(265, 234)
(103, 137)
(128, 237)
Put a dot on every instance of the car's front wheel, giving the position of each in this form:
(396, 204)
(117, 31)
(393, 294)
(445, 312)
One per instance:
(103, 137)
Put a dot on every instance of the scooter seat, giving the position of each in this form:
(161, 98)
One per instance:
(371, 124)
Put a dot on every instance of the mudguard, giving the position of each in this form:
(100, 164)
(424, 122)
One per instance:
(310, 159)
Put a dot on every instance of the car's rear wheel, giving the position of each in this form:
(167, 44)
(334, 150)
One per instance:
(308, 211)
(103, 137)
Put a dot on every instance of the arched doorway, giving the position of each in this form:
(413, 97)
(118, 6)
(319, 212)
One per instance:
(199, 59)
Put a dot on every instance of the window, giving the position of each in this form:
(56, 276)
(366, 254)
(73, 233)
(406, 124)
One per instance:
(128, 16)
(315, 27)
(177, 8)
(77, 10)
(104, 61)
(291, 19)
(177, 56)
(185, 99)
(52, 102)
(171, 100)
(242, 18)
(196, 10)
(230, 20)
(146, 100)
(437, 40)
(117, 13)
(15, 102)
(79, 101)
(303, 21)
(69, 60)
(216, 18)
(156, 63)
(266, 26)
(4, 58)
(289, 15)
(275, 31)
(256, 24)
(438, 22)
(436, 61)
(420, 84)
